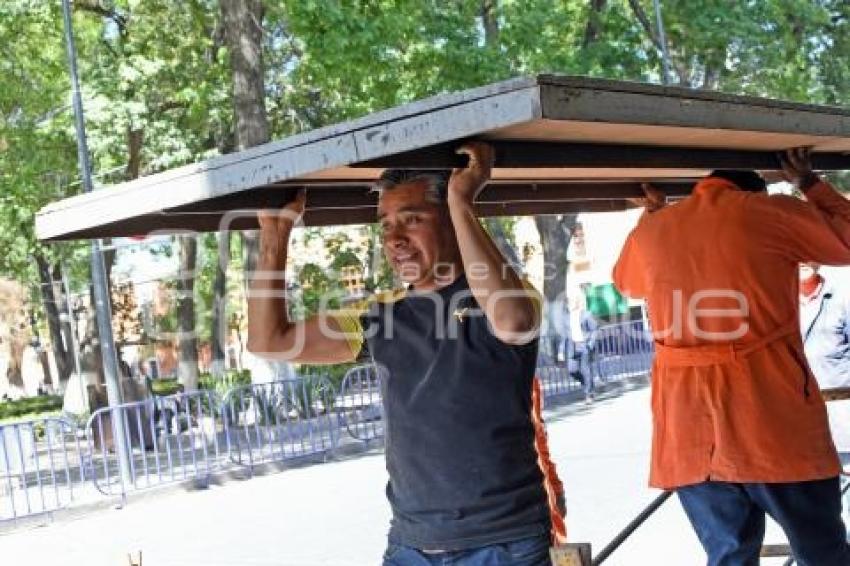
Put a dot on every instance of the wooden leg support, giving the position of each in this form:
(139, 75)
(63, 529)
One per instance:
(775, 551)
(571, 554)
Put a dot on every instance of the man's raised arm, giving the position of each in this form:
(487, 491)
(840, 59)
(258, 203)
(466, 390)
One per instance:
(507, 303)
(835, 208)
(817, 230)
(271, 334)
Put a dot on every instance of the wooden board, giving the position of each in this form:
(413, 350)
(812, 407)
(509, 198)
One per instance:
(588, 142)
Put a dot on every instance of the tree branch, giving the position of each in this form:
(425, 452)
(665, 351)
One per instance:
(709, 79)
(681, 69)
(640, 14)
(170, 105)
(591, 30)
(95, 7)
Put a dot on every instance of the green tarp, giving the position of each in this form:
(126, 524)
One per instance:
(604, 301)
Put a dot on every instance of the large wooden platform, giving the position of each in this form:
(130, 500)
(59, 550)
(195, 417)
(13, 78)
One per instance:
(563, 144)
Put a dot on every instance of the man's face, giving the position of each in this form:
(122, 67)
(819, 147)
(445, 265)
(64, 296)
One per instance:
(419, 240)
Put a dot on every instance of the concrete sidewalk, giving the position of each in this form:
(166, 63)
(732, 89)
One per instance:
(336, 514)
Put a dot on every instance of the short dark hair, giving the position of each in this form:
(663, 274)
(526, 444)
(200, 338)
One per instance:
(743, 179)
(436, 179)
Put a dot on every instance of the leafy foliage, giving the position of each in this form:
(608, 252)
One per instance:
(157, 87)
(30, 406)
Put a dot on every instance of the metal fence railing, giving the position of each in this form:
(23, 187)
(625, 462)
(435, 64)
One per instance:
(47, 464)
(169, 438)
(41, 467)
(622, 350)
(360, 403)
(281, 420)
(555, 380)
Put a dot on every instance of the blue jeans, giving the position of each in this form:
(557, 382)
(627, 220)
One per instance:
(532, 551)
(729, 519)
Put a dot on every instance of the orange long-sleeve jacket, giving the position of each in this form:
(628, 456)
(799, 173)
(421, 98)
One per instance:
(733, 398)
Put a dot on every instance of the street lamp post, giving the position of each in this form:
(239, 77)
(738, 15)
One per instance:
(98, 270)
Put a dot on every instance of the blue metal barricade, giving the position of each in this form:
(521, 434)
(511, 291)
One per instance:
(555, 380)
(42, 467)
(360, 403)
(47, 464)
(170, 438)
(279, 421)
(622, 350)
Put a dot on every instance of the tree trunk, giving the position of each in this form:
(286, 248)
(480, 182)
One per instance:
(53, 299)
(66, 319)
(591, 29)
(135, 139)
(14, 375)
(219, 314)
(14, 335)
(188, 339)
(244, 35)
(45, 368)
(500, 238)
(555, 234)
(490, 21)
(91, 356)
(714, 65)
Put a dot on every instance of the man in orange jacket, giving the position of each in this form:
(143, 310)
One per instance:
(739, 426)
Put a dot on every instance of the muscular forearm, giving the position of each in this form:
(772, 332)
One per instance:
(494, 283)
(268, 320)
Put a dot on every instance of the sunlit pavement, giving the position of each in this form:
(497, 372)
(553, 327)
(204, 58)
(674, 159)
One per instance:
(335, 513)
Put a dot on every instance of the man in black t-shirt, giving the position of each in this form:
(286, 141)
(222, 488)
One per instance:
(457, 350)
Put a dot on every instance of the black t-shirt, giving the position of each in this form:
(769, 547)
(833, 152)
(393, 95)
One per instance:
(459, 437)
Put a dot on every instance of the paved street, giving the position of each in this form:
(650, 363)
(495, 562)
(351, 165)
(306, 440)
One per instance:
(335, 513)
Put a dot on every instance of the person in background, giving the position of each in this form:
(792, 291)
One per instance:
(580, 343)
(825, 327)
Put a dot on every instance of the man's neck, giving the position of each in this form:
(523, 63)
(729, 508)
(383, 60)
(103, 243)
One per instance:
(811, 287)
